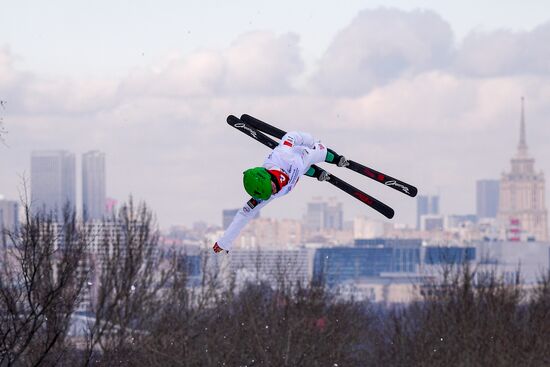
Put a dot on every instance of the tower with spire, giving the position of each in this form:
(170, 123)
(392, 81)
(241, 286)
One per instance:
(522, 204)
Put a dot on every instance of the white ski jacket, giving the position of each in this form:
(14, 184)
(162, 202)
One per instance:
(296, 152)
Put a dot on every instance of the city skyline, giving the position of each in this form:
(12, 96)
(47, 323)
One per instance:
(95, 153)
(93, 165)
(433, 101)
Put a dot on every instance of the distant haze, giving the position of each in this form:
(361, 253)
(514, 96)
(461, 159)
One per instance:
(397, 88)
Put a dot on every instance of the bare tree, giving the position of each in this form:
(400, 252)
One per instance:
(469, 319)
(40, 284)
(188, 310)
(130, 283)
(150, 311)
(259, 325)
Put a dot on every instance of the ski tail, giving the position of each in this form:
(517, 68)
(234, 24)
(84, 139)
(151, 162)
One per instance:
(251, 131)
(373, 174)
(317, 171)
(263, 126)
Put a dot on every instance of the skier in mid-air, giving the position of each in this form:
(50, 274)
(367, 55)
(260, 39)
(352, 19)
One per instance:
(278, 175)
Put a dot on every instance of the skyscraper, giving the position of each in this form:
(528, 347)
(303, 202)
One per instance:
(315, 215)
(487, 197)
(53, 181)
(334, 215)
(522, 202)
(426, 205)
(433, 205)
(93, 185)
(9, 218)
(324, 215)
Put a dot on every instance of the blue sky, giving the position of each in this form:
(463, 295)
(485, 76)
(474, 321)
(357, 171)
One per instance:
(428, 92)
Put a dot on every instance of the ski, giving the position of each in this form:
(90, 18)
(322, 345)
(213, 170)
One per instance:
(373, 174)
(319, 173)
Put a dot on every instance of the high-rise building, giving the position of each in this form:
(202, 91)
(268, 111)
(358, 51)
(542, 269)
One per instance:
(426, 205)
(433, 205)
(487, 197)
(93, 185)
(322, 215)
(9, 218)
(334, 215)
(431, 222)
(53, 181)
(522, 203)
(315, 214)
(421, 208)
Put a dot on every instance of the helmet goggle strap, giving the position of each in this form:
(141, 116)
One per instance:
(279, 177)
(275, 180)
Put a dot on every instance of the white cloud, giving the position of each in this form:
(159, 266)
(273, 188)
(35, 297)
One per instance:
(259, 62)
(438, 101)
(504, 52)
(381, 45)
(199, 74)
(31, 94)
(256, 63)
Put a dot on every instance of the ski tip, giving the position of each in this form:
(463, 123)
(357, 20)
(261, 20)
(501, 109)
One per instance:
(389, 214)
(232, 118)
(413, 191)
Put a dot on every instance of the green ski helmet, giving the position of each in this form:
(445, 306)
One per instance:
(257, 183)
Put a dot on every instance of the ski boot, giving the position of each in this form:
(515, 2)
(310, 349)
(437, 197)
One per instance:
(323, 176)
(335, 158)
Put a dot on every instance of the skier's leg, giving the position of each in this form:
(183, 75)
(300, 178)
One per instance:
(314, 155)
(320, 153)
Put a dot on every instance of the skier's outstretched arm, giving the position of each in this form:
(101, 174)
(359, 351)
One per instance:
(248, 212)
